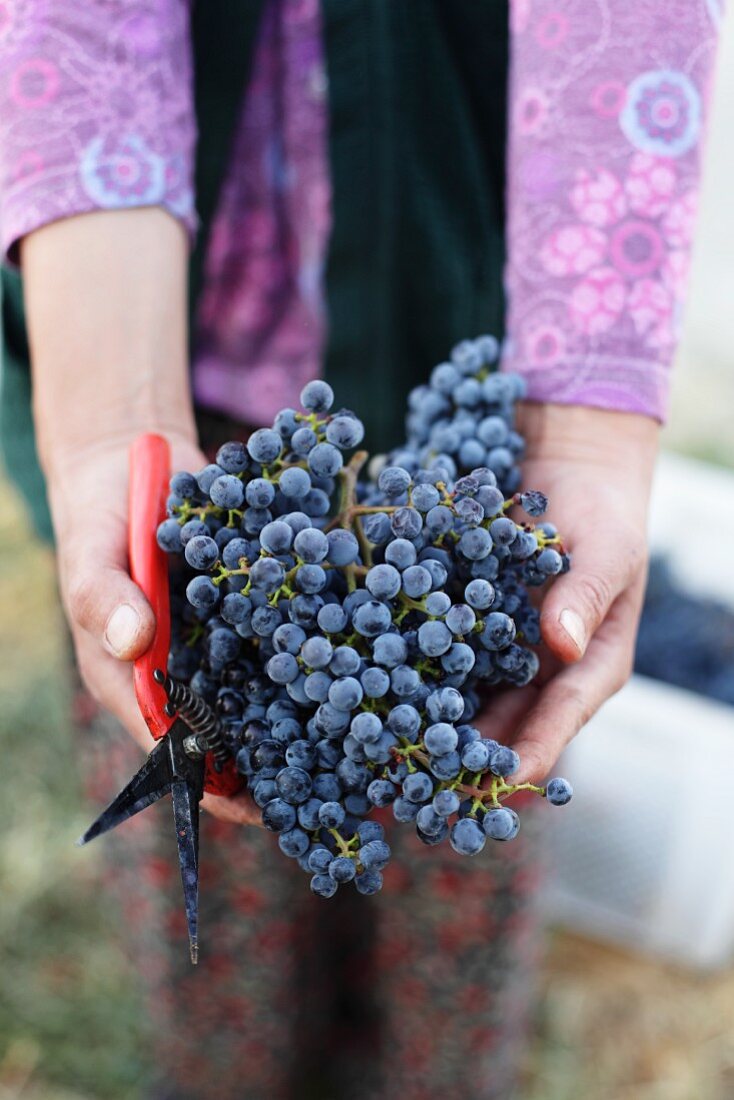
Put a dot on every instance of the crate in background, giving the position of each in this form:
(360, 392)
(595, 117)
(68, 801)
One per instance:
(642, 855)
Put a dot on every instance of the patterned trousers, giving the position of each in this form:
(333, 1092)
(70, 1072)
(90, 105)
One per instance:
(423, 991)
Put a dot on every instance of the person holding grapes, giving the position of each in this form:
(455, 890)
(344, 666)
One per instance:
(209, 208)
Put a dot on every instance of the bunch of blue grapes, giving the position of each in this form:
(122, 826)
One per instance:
(344, 626)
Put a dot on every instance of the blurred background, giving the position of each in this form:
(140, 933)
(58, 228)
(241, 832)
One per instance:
(638, 985)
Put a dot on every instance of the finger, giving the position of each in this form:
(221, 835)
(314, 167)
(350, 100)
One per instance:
(111, 683)
(579, 601)
(99, 595)
(500, 716)
(238, 809)
(570, 699)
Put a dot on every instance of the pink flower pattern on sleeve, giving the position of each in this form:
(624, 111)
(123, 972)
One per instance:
(95, 110)
(607, 111)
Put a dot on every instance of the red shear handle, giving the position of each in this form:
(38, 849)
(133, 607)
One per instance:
(150, 470)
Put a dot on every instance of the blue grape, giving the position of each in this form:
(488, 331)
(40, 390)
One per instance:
(389, 650)
(311, 545)
(381, 793)
(549, 562)
(558, 792)
(325, 460)
(345, 661)
(504, 761)
(293, 784)
(294, 482)
(317, 396)
(342, 869)
(278, 816)
(466, 837)
(417, 787)
(319, 859)
(440, 739)
(332, 619)
(343, 547)
(202, 593)
(259, 493)
(316, 686)
(376, 683)
(374, 855)
(406, 523)
(404, 681)
(227, 492)
(404, 720)
(288, 638)
(446, 803)
(369, 882)
(371, 619)
(324, 886)
(498, 632)
(168, 536)
(302, 440)
(498, 823)
(201, 552)
(383, 581)
(434, 638)
(282, 668)
(461, 619)
(331, 814)
(293, 843)
(276, 537)
(394, 481)
(345, 431)
(366, 726)
(206, 477)
(429, 822)
(416, 581)
(264, 446)
(445, 705)
(346, 693)
(534, 503)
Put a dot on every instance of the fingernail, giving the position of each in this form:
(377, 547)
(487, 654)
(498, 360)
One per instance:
(574, 627)
(122, 628)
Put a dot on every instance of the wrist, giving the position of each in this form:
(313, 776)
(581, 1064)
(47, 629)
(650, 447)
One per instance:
(67, 443)
(593, 436)
(106, 305)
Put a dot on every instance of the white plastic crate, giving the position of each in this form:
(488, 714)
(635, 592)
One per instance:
(642, 855)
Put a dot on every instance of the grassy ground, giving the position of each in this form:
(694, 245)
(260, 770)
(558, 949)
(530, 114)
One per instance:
(68, 1007)
(612, 1027)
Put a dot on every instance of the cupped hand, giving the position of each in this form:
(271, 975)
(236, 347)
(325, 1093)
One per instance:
(596, 468)
(111, 621)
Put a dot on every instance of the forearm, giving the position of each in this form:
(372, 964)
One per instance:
(603, 171)
(106, 305)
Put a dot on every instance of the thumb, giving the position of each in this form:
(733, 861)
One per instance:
(579, 601)
(101, 598)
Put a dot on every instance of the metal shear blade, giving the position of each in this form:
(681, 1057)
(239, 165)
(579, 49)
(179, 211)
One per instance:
(168, 769)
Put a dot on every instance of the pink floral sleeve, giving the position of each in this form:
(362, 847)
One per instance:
(608, 105)
(95, 110)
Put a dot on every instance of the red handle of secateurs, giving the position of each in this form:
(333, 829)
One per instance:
(150, 469)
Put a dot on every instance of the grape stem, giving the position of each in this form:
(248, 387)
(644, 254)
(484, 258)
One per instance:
(497, 789)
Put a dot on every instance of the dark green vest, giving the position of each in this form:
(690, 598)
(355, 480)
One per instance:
(417, 102)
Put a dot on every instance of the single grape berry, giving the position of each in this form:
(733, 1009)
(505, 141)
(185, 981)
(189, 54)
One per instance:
(558, 792)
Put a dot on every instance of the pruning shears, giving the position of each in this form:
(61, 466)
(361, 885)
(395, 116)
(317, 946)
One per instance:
(190, 756)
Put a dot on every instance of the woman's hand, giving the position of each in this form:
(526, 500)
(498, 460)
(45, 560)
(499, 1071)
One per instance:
(596, 467)
(106, 303)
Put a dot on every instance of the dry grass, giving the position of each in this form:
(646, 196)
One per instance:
(615, 1026)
